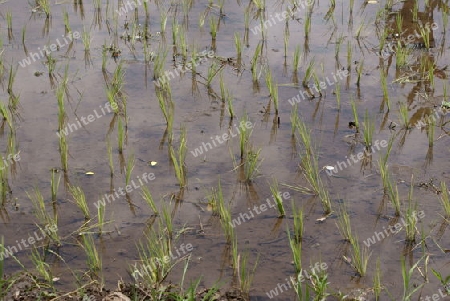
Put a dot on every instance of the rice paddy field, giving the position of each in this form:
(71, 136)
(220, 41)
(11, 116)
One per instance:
(224, 150)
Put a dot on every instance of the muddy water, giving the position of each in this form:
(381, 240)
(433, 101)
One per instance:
(204, 116)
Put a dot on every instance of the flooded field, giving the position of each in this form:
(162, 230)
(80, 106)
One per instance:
(224, 150)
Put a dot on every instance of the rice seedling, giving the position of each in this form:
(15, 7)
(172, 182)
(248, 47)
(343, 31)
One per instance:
(307, 23)
(399, 23)
(86, 39)
(296, 249)
(42, 268)
(213, 25)
(51, 64)
(308, 74)
(392, 192)
(229, 98)
(430, 132)
(166, 218)
(384, 87)
(66, 21)
(155, 259)
(444, 280)
(355, 113)
(401, 55)
(415, 10)
(175, 31)
(408, 288)
(54, 184)
(93, 259)
(252, 162)
(246, 275)
(120, 135)
(319, 283)
(411, 218)
(178, 159)
(9, 25)
(369, 128)
(11, 78)
(158, 63)
(254, 62)
(360, 256)
(163, 20)
(212, 72)
(45, 219)
(238, 45)
(147, 196)
(431, 74)
(244, 136)
(302, 294)
(317, 83)
(445, 200)
(296, 59)
(80, 199)
(286, 42)
(337, 91)
(224, 214)
(404, 115)
(101, 217)
(298, 218)
(44, 6)
(64, 152)
(110, 158)
(235, 257)
(183, 44)
(344, 224)
(310, 168)
(377, 281)
(384, 171)
(129, 168)
(359, 70)
(349, 54)
(260, 4)
(277, 198)
(60, 97)
(294, 120)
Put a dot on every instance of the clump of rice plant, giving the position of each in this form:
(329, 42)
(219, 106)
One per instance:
(278, 199)
(224, 212)
(308, 74)
(344, 224)
(445, 200)
(296, 249)
(238, 44)
(309, 165)
(254, 62)
(93, 259)
(147, 196)
(246, 275)
(54, 184)
(80, 199)
(213, 25)
(408, 288)
(298, 217)
(120, 135)
(410, 216)
(252, 161)
(360, 257)
(46, 220)
(42, 268)
(178, 159)
(129, 168)
(369, 128)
